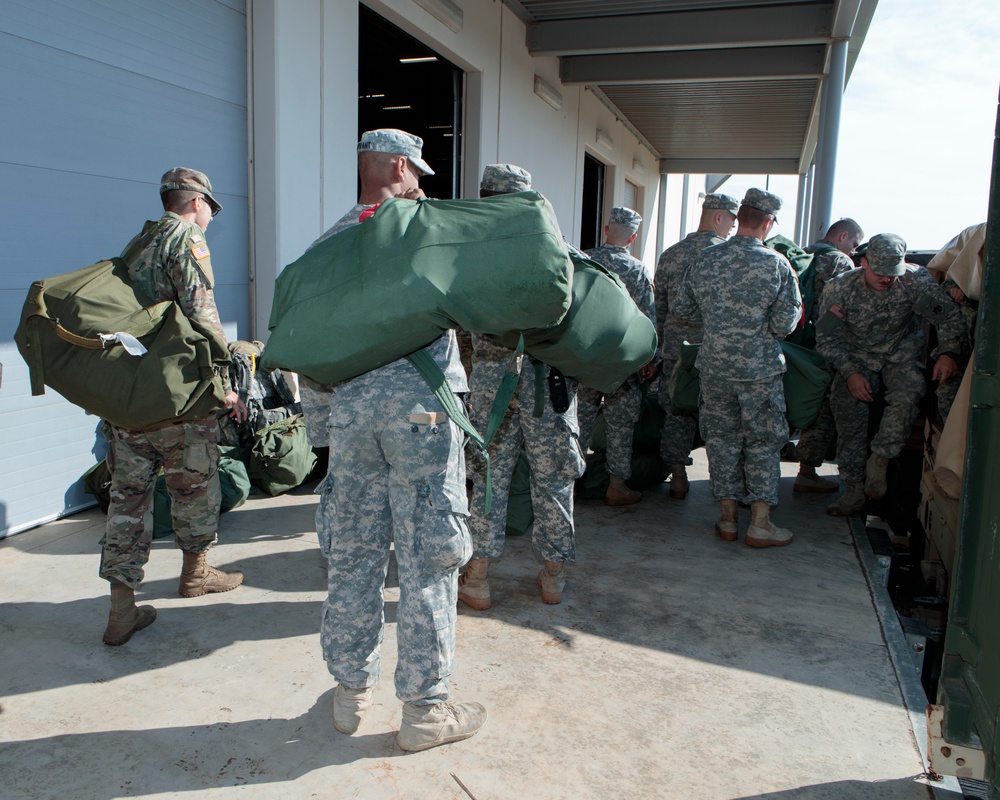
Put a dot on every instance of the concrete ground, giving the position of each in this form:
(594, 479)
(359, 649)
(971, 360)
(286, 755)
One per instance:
(677, 666)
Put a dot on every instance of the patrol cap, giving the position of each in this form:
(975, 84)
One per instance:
(626, 216)
(397, 142)
(505, 179)
(191, 180)
(763, 201)
(723, 201)
(886, 255)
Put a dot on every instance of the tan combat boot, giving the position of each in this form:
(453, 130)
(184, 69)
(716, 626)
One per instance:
(808, 481)
(679, 484)
(350, 706)
(851, 502)
(875, 483)
(125, 618)
(764, 533)
(424, 727)
(198, 577)
(552, 579)
(619, 494)
(728, 525)
(474, 586)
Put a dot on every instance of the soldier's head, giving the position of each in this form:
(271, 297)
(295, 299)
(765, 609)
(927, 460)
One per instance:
(718, 214)
(391, 159)
(884, 260)
(845, 234)
(188, 193)
(758, 213)
(504, 179)
(623, 226)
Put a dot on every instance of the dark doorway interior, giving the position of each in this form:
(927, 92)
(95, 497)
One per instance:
(404, 84)
(592, 212)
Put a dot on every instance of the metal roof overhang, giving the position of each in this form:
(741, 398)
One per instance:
(711, 86)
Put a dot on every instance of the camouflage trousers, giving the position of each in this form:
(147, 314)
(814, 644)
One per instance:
(189, 455)
(551, 445)
(394, 479)
(743, 424)
(815, 440)
(621, 412)
(677, 433)
(904, 387)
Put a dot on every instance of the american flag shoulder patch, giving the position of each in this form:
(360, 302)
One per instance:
(837, 311)
(199, 251)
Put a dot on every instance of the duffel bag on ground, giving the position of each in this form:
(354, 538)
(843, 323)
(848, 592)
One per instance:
(383, 289)
(281, 457)
(70, 336)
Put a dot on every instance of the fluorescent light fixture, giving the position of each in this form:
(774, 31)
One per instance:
(604, 140)
(548, 93)
(445, 11)
(396, 108)
(418, 60)
(638, 167)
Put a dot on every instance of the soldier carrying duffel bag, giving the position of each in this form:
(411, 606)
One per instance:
(138, 341)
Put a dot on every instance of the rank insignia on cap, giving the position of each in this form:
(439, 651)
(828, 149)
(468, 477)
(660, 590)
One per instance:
(200, 251)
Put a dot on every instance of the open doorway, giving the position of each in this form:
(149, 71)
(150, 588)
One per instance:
(592, 206)
(404, 84)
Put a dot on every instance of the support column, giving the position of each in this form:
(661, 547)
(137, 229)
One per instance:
(826, 160)
(662, 221)
(684, 207)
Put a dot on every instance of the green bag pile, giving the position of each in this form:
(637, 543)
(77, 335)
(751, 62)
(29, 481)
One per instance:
(59, 338)
(806, 380)
(281, 457)
(380, 290)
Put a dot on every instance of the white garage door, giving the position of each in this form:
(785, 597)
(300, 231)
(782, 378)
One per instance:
(99, 98)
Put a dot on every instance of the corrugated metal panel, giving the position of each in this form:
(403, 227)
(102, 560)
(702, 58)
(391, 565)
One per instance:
(542, 10)
(101, 98)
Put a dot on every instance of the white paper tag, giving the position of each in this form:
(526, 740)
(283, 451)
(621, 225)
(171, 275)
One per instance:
(132, 345)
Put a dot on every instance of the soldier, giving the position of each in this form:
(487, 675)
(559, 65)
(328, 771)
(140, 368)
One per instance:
(747, 297)
(870, 335)
(169, 260)
(550, 443)
(832, 257)
(621, 408)
(718, 217)
(397, 475)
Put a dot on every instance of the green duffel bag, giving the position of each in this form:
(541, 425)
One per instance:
(60, 337)
(805, 381)
(603, 338)
(281, 457)
(383, 289)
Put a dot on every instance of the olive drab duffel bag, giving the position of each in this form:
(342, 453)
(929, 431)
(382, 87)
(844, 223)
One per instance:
(377, 291)
(80, 334)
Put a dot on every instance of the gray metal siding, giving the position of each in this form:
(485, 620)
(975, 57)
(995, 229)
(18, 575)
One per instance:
(100, 99)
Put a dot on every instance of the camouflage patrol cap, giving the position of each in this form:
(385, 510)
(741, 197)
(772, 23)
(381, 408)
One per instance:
(763, 201)
(886, 255)
(723, 201)
(621, 215)
(505, 179)
(397, 142)
(191, 180)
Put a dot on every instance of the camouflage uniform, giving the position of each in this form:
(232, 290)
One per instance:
(394, 479)
(815, 440)
(621, 407)
(551, 445)
(677, 434)
(747, 298)
(174, 265)
(876, 334)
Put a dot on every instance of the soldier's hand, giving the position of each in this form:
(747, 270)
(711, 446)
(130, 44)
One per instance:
(237, 410)
(648, 372)
(957, 295)
(944, 369)
(858, 386)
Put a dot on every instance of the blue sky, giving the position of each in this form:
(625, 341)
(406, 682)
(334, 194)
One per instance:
(917, 124)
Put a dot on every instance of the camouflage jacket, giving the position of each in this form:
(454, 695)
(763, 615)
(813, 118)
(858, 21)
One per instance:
(632, 273)
(829, 262)
(747, 297)
(861, 328)
(671, 329)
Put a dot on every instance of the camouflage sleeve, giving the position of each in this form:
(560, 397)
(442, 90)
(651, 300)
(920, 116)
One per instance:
(936, 306)
(830, 329)
(190, 267)
(786, 309)
(685, 305)
(660, 295)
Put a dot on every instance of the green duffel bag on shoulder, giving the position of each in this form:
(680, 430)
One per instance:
(603, 338)
(380, 290)
(281, 457)
(76, 334)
